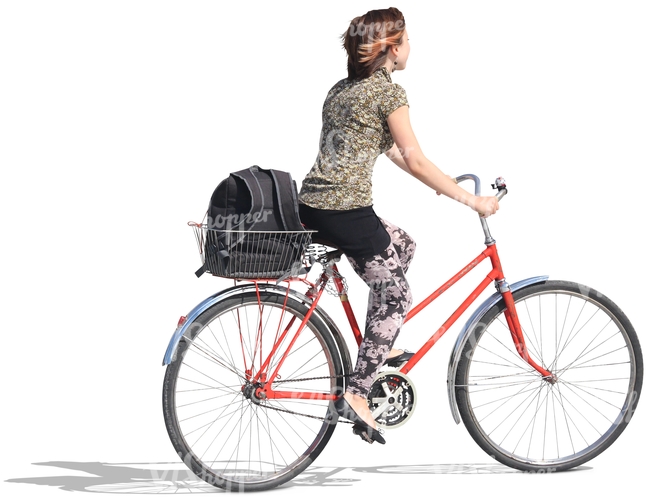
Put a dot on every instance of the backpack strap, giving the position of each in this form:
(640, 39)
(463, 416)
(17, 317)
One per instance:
(285, 190)
(253, 185)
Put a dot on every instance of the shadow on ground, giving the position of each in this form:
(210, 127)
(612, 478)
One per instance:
(175, 478)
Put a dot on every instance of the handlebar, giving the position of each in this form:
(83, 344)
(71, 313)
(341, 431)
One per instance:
(499, 184)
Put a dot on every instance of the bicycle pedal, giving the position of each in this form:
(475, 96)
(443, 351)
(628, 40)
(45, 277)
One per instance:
(369, 435)
(357, 430)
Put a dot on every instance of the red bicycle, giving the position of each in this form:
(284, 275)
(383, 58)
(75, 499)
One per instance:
(545, 374)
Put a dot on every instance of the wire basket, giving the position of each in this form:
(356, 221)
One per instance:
(251, 254)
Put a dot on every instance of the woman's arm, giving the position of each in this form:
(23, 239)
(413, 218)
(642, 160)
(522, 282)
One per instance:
(396, 156)
(407, 154)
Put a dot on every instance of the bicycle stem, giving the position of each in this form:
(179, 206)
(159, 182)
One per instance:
(500, 184)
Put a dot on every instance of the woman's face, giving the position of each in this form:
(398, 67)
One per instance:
(403, 51)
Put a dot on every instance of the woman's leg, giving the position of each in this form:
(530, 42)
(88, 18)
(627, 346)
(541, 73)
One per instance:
(405, 247)
(388, 303)
(403, 243)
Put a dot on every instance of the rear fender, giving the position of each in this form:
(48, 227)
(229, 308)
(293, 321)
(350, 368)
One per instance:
(190, 321)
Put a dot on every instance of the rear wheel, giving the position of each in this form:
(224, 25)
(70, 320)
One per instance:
(222, 428)
(528, 422)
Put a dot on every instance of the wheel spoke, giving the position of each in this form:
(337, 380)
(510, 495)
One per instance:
(235, 436)
(531, 422)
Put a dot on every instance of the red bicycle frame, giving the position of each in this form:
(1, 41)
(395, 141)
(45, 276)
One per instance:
(495, 275)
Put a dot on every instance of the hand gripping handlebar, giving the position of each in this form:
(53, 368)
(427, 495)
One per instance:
(499, 184)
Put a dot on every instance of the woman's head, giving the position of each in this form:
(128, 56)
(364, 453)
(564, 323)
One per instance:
(374, 38)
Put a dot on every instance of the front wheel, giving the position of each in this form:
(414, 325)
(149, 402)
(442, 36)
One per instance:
(531, 423)
(221, 425)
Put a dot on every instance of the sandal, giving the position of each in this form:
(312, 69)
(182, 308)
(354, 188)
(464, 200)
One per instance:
(361, 428)
(399, 360)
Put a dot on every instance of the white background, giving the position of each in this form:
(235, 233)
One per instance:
(118, 119)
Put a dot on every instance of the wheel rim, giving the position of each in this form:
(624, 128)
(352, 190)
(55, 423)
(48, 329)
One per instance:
(539, 422)
(235, 437)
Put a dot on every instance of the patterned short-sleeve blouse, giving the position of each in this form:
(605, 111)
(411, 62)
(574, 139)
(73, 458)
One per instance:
(354, 134)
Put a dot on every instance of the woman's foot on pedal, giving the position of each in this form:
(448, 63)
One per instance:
(397, 358)
(363, 426)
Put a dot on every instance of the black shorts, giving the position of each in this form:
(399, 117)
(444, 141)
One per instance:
(357, 232)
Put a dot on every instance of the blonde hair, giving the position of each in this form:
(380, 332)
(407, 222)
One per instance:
(368, 39)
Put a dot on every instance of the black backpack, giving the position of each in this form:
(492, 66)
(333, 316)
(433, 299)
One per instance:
(253, 229)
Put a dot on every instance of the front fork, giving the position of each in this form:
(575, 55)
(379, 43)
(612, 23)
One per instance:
(511, 315)
(516, 331)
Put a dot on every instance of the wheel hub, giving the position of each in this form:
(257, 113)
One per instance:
(253, 392)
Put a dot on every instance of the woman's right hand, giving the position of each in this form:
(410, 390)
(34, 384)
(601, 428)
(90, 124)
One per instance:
(485, 206)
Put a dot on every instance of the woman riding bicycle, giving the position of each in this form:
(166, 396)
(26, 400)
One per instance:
(366, 115)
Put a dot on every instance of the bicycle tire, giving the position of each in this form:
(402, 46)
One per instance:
(531, 424)
(227, 438)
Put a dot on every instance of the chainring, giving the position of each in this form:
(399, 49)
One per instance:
(391, 399)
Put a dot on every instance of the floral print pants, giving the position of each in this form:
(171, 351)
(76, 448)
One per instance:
(388, 303)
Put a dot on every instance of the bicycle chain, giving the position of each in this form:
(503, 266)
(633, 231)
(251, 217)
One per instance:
(341, 420)
(312, 378)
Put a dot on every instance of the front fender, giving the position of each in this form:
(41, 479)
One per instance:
(467, 331)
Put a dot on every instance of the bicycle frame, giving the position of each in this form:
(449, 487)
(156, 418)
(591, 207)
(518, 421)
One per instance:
(264, 381)
(495, 275)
